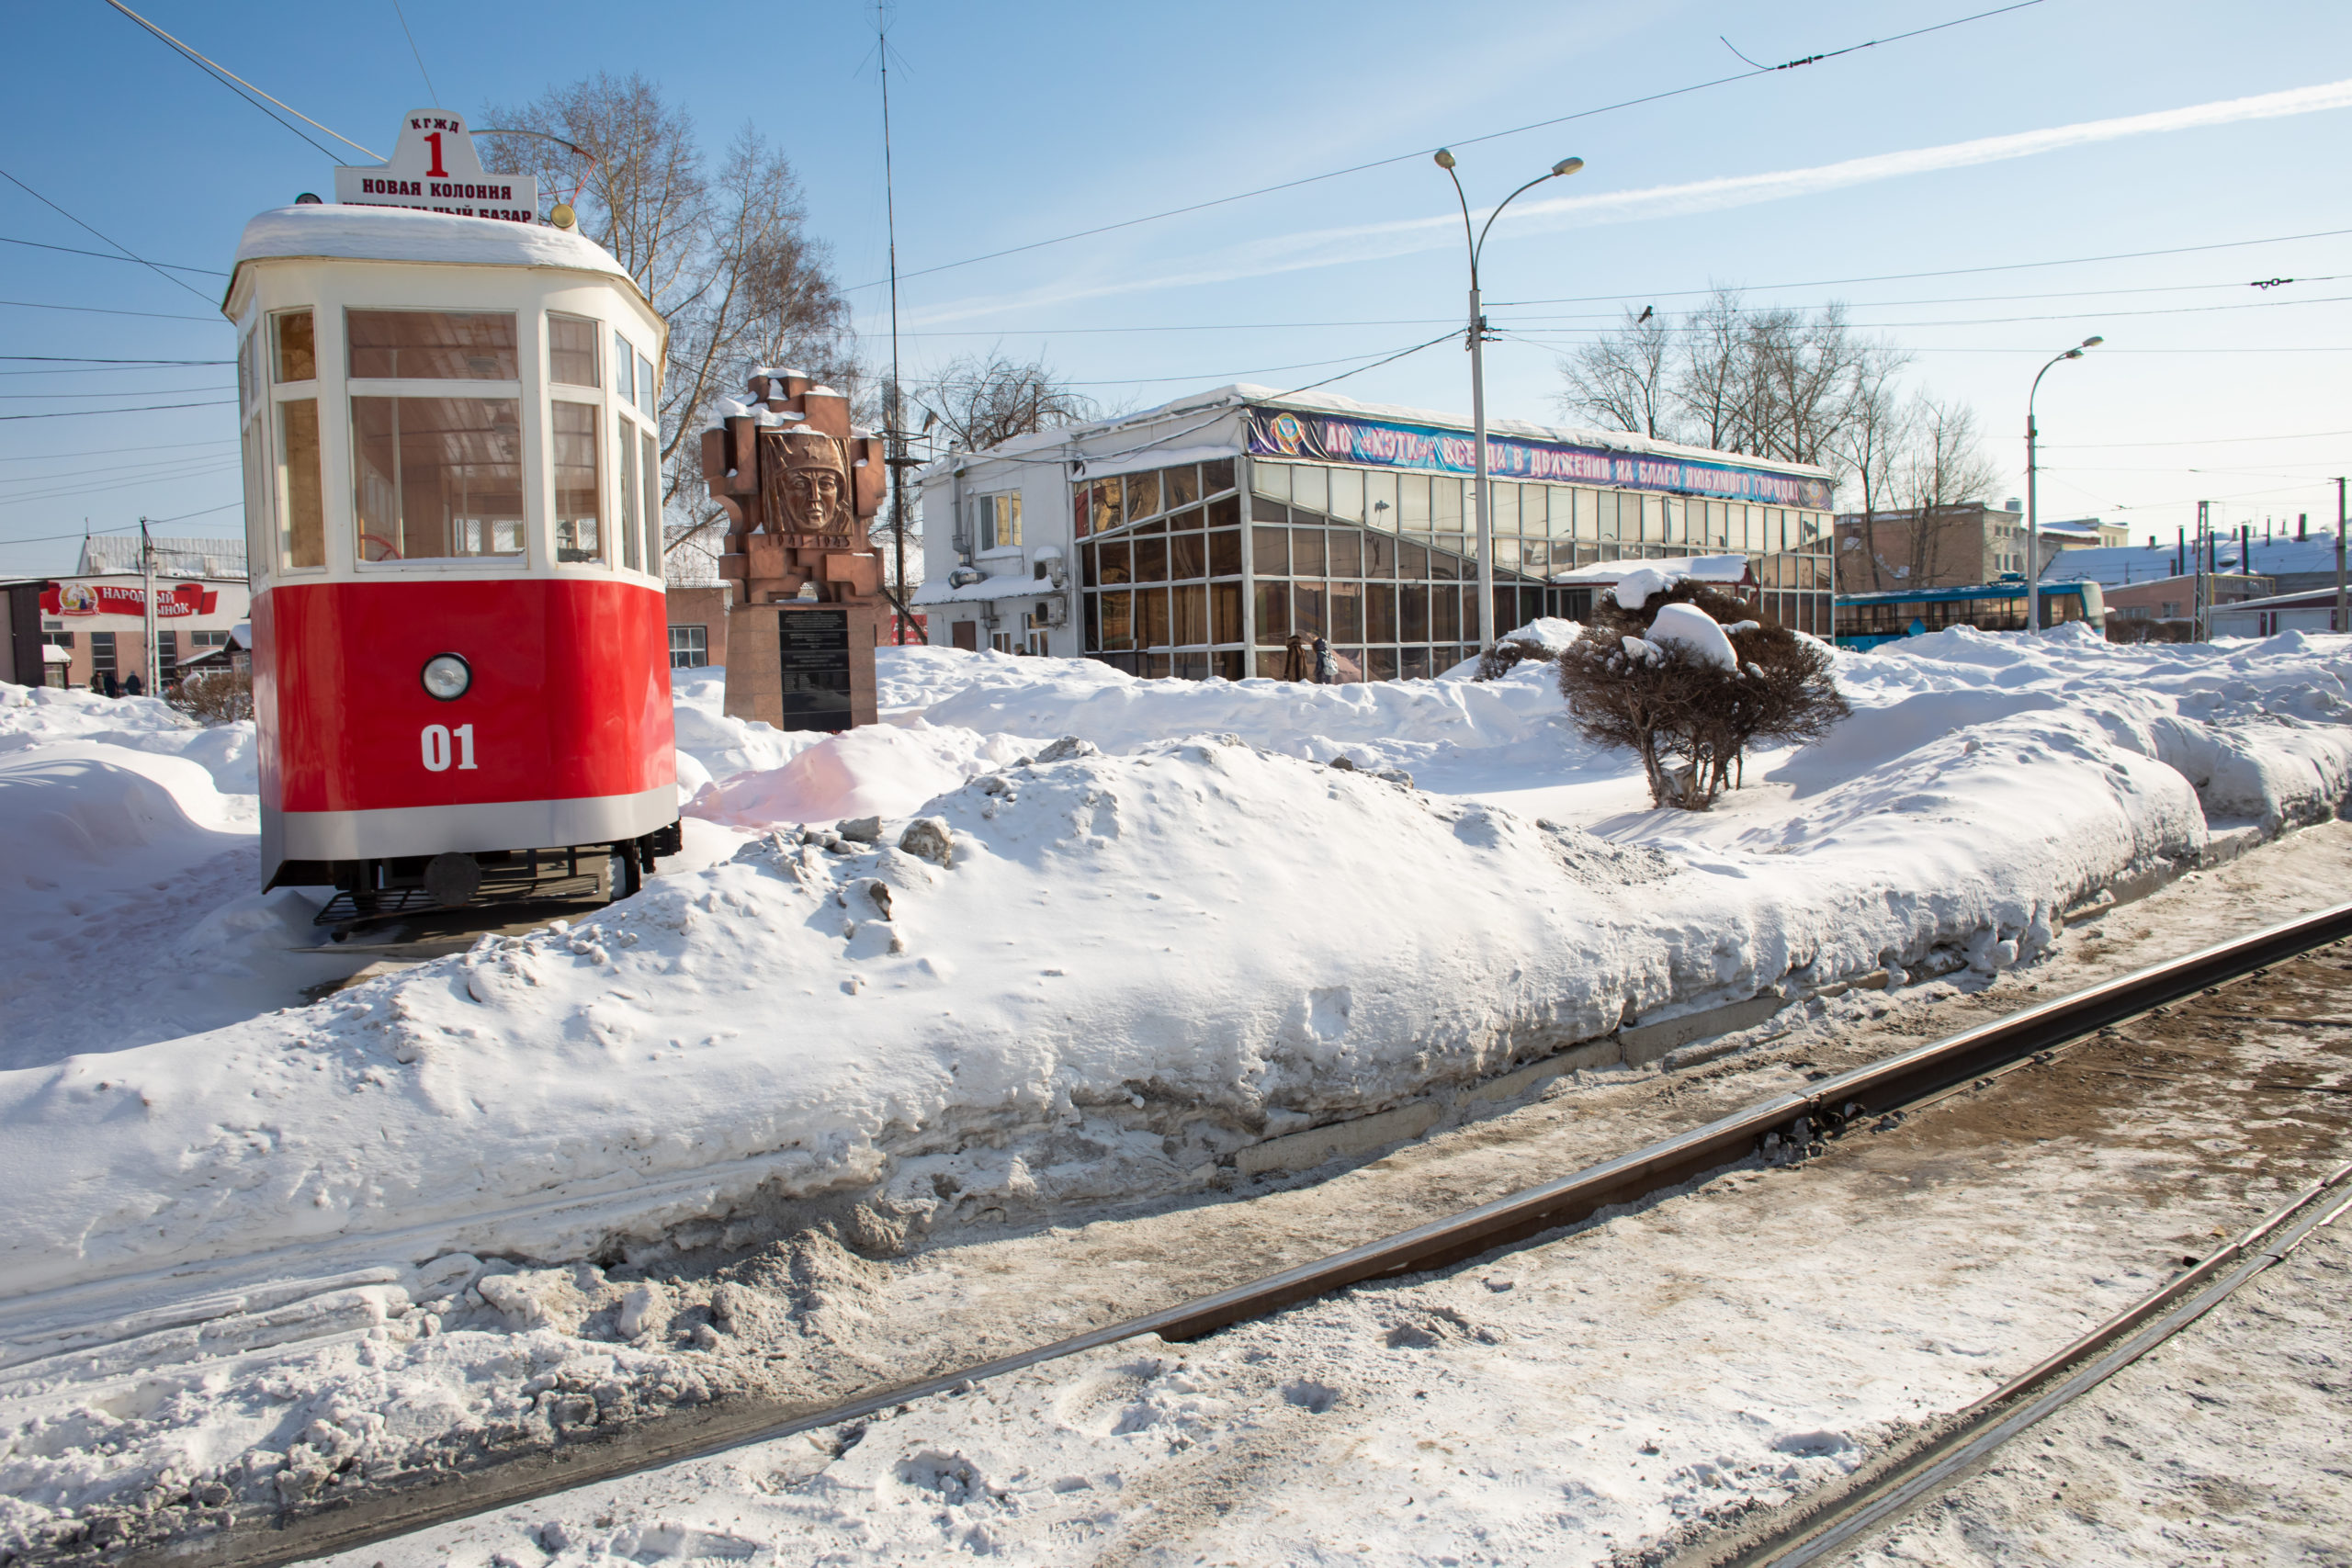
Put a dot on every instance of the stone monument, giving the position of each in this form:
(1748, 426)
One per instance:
(801, 489)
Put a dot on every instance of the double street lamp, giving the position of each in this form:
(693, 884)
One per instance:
(2032, 513)
(1477, 244)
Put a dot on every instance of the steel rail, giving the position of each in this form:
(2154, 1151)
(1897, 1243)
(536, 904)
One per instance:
(1922, 1073)
(1881, 1494)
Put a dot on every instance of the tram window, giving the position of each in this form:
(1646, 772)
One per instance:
(433, 346)
(302, 536)
(651, 475)
(297, 356)
(644, 390)
(572, 352)
(579, 534)
(623, 377)
(436, 477)
(629, 497)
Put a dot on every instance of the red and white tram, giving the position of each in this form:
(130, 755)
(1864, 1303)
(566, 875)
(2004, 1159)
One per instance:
(452, 470)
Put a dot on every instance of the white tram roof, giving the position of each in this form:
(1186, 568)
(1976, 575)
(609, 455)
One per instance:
(405, 234)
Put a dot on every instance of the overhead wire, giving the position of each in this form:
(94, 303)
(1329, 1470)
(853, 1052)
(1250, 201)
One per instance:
(92, 414)
(104, 451)
(1947, 272)
(117, 392)
(126, 250)
(222, 70)
(1459, 141)
(109, 311)
(102, 256)
(418, 52)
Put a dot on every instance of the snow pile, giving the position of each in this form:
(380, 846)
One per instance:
(34, 715)
(1695, 632)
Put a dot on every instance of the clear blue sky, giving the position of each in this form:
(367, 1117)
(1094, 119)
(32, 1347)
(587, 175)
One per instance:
(1024, 122)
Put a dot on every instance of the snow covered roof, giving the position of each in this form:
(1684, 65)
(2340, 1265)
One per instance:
(986, 591)
(1246, 394)
(400, 233)
(1706, 569)
(2116, 564)
(223, 557)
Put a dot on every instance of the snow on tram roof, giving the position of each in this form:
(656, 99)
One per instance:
(405, 234)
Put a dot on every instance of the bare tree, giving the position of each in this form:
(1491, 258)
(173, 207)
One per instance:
(983, 398)
(1710, 386)
(724, 255)
(1943, 465)
(1869, 447)
(1620, 380)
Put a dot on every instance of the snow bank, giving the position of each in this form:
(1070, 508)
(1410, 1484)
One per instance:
(1118, 965)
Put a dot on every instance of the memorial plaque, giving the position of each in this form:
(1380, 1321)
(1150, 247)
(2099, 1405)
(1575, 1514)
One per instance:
(812, 647)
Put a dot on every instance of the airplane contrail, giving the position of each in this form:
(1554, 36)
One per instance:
(1331, 247)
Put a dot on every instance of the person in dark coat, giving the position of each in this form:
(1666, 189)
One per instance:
(114, 688)
(97, 684)
(134, 687)
(1296, 662)
(1327, 664)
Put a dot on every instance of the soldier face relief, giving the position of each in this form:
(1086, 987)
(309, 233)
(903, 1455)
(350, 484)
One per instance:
(813, 501)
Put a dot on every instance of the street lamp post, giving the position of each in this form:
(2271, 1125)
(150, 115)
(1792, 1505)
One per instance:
(1477, 336)
(2033, 512)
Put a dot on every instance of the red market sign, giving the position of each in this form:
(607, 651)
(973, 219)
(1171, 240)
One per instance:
(104, 599)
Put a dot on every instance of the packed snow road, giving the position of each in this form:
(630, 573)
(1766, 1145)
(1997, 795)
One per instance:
(705, 1149)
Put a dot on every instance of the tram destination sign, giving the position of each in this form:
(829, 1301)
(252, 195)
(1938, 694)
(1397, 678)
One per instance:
(434, 168)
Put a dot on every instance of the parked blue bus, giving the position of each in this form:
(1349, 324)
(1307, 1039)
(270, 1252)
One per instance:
(1866, 620)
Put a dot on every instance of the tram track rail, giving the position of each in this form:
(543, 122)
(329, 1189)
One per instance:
(1785, 1125)
(1900, 1480)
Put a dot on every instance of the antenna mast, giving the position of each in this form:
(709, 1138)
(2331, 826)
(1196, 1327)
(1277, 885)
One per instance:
(894, 401)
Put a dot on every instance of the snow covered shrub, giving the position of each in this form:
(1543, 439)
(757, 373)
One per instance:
(1543, 640)
(217, 696)
(1687, 680)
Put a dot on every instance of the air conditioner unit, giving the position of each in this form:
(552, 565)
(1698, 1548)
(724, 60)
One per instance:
(1053, 612)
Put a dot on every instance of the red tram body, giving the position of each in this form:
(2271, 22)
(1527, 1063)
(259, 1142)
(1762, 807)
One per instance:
(451, 443)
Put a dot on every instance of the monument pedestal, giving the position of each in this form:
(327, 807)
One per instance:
(801, 664)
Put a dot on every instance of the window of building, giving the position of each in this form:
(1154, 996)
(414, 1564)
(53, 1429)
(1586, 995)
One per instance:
(102, 653)
(996, 520)
(167, 658)
(1001, 642)
(201, 640)
(689, 648)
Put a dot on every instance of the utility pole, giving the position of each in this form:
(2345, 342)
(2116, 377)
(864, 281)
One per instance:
(147, 608)
(893, 418)
(1477, 244)
(2341, 622)
(2203, 539)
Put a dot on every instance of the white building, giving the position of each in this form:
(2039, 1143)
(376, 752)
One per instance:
(1193, 539)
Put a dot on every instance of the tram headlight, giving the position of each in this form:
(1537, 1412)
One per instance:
(446, 676)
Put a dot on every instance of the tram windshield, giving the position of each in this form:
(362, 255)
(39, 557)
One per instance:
(435, 477)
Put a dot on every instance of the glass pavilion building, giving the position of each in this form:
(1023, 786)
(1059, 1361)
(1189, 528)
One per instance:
(1193, 539)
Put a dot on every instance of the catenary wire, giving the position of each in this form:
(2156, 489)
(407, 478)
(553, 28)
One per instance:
(103, 451)
(1943, 272)
(117, 392)
(1460, 141)
(241, 82)
(92, 413)
(104, 256)
(126, 250)
(416, 51)
(109, 311)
